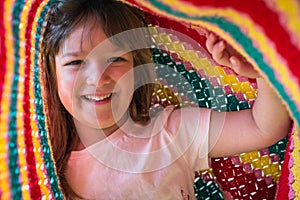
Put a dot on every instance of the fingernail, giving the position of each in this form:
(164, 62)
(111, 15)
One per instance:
(233, 62)
(221, 43)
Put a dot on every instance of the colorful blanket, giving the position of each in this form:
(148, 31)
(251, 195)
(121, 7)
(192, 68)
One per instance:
(265, 32)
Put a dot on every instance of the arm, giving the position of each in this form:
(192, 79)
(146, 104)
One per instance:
(252, 129)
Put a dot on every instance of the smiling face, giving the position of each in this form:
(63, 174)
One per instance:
(94, 78)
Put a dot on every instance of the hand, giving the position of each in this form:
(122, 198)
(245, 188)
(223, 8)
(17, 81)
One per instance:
(225, 55)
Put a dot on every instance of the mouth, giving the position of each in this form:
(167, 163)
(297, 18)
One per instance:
(97, 98)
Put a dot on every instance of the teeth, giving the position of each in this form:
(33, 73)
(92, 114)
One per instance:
(97, 98)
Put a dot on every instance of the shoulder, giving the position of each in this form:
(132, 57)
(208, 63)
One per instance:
(187, 118)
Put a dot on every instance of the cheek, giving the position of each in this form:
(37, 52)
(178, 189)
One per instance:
(125, 87)
(66, 86)
(125, 80)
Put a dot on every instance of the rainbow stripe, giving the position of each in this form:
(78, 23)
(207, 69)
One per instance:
(256, 29)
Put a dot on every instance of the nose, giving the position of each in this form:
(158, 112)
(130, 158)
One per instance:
(97, 76)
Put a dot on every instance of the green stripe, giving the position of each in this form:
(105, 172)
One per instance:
(13, 132)
(247, 45)
(49, 163)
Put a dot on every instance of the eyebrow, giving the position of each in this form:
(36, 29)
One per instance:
(77, 53)
(71, 54)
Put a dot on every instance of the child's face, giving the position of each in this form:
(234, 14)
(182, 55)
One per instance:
(94, 77)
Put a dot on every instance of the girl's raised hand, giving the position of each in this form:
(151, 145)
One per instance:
(225, 55)
(265, 124)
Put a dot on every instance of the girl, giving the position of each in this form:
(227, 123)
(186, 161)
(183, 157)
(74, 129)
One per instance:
(105, 143)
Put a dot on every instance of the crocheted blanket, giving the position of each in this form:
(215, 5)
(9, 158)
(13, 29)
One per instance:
(265, 32)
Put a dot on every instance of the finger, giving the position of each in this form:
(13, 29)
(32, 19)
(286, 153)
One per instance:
(211, 41)
(220, 54)
(243, 68)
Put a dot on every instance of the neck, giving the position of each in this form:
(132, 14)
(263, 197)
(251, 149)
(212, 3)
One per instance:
(89, 135)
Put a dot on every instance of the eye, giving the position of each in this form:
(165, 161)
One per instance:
(74, 63)
(115, 59)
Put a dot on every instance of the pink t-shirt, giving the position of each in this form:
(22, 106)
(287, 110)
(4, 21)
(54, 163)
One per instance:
(157, 161)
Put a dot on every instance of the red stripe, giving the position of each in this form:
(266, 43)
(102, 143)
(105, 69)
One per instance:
(136, 3)
(269, 21)
(35, 190)
(263, 16)
(2, 52)
(2, 57)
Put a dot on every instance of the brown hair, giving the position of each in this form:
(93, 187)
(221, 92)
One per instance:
(63, 17)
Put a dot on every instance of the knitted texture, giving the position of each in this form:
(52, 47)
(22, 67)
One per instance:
(265, 32)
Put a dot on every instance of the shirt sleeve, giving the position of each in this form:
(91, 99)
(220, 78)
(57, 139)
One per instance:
(190, 129)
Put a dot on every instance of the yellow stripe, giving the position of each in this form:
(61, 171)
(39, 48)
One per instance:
(296, 166)
(291, 9)
(41, 170)
(252, 31)
(5, 102)
(20, 123)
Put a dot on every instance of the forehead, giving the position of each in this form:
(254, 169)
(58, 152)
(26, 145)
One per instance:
(85, 37)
